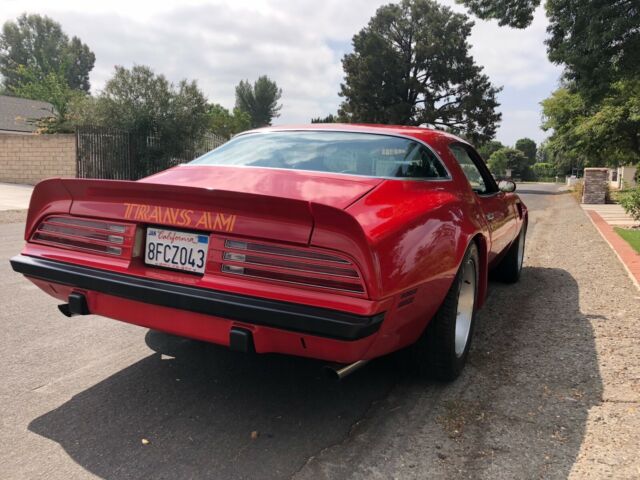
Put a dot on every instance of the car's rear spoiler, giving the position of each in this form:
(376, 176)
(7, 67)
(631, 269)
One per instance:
(178, 206)
(193, 208)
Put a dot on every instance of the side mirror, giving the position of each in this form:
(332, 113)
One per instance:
(507, 186)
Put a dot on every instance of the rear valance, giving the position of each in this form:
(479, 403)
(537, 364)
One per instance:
(321, 322)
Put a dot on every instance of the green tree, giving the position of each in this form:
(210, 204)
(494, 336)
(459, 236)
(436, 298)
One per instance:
(583, 134)
(509, 159)
(53, 89)
(80, 62)
(144, 103)
(613, 128)
(331, 118)
(259, 100)
(514, 13)
(411, 66)
(38, 44)
(486, 149)
(542, 154)
(528, 147)
(562, 112)
(597, 41)
(227, 124)
(497, 163)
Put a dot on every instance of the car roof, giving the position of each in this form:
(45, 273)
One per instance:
(421, 133)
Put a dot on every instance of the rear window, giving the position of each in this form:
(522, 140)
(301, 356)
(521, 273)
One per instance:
(335, 152)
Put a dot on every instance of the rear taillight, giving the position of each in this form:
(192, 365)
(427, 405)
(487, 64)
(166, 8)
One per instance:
(89, 235)
(291, 265)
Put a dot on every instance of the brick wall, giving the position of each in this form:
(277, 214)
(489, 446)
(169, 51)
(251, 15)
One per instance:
(31, 158)
(595, 185)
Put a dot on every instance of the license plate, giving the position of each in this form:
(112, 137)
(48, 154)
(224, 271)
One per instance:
(178, 250)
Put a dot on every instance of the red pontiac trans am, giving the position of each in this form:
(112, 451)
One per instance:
(336, 242)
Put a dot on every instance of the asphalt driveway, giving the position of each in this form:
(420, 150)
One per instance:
(552, 389)
(14, 197)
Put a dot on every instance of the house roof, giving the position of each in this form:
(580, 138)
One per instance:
(16, 113)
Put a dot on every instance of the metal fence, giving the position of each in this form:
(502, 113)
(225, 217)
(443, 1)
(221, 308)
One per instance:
(116, 154)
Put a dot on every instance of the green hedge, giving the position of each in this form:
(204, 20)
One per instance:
(630, 201)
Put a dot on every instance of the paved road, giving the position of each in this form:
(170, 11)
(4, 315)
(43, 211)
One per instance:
(79, 395)
(14, 197)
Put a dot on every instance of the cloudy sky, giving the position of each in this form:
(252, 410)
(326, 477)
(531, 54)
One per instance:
(298, 43)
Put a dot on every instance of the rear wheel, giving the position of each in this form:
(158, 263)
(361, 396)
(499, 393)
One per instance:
(510, 266)
(442, 350)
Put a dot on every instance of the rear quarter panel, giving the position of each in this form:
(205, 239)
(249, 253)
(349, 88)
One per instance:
(418, 232)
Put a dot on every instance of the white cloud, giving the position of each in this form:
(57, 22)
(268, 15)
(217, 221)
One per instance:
(511, 57)
(517, 124)
(223, 41)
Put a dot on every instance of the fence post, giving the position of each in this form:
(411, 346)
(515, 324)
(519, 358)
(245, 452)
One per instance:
(78, 161)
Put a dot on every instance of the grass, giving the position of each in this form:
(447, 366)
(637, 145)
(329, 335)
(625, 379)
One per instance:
(631, 236)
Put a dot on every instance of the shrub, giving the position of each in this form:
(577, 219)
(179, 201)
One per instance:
(544, 170)
(509, 159)
(577, 190)
(630, 201)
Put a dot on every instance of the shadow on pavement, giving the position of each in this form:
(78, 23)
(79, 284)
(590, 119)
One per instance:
(519, 411)
(199, 411)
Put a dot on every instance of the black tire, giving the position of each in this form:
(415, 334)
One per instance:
(434, 354)
(510, 267)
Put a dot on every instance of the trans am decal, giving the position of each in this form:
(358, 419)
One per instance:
(179, 217)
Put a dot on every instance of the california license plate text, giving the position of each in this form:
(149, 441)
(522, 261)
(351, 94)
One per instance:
(174, 249)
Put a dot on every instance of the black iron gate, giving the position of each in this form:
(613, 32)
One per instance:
(103, 153)
(115, 154)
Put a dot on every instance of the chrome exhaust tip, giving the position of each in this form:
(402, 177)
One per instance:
(338, 371)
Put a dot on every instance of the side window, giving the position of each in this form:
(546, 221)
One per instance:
(480, 183)
(421, 162)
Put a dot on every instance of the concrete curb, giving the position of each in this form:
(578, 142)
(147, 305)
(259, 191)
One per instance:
(628, 257)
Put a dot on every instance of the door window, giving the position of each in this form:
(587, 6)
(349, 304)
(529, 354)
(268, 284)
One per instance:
(481, 182)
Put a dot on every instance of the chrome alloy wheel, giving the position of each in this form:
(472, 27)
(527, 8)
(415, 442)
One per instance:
(466, 302)
(520, 249)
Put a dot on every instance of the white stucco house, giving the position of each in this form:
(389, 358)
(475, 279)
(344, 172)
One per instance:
(622, 177)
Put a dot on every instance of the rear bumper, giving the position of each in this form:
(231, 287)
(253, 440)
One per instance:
(320, 322)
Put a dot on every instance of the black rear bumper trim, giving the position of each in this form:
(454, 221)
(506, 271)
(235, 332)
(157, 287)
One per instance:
(294, 317)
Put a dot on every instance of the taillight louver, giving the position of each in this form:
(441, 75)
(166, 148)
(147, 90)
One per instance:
(88, 235)
(291, 265)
